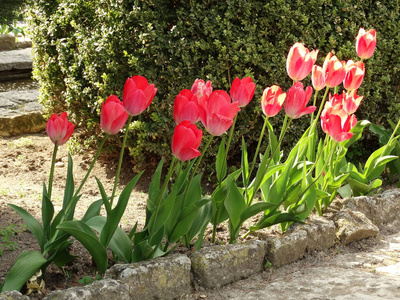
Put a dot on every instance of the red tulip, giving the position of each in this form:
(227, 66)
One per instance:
(137, 95)
(242, 91)
(186, 140)
(300, 61)
(200, 88)
(217, 112)
(186, 107)
(113, 115)
(365, 43)
(337, 124)
(272, 100)
(354, 75)
(334, 70)
(318, 78)
(351, 101)
(59, 129)
(296, 101)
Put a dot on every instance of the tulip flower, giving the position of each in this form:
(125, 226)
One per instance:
(296, 101)
(337, 124)
(354, 75)
(186, 107)
(242, 91)
(351, 101)
(138, 94)
(59, 129)
(186, 141)
(300, 61)
(113, 115)
(365, 43)
(272, 100)
(200, 88)
(217, 112)
(317, 78)
(334, 70)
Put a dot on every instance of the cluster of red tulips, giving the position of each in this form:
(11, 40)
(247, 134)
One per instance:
(216, 110)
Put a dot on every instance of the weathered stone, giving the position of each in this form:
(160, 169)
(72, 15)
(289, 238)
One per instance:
(13, 295)
(105, 289)
(161, 278)
(16, 60)
(20, 113)
(353, 226)
(288, 248)
(7, 42)
(219, 265)
(321, 233)
(24, 123)
(380, 209)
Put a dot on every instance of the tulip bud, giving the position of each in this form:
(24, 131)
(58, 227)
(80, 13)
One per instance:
(138, 94)
(113, 115)
(59, 129)
(365, 43)
(186, 141)
(242, 90)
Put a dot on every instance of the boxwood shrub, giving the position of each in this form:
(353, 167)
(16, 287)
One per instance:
(85, 50)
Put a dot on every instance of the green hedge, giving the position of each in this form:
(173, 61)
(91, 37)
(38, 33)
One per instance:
(11, 10)
(85, 50)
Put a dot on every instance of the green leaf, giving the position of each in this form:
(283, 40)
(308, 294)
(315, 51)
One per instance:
(357, 133)
(47, 212)
(360, 188)
(24, 268)
(276, 218)
(383, 134)
(221, 164)
(33, 225)
(120, 242)
(117, 212)
(104, 197)
(69, 185)
(273, 143)
(154, 188)
(345, 191)
(93, 210)
(234, 203)
(84, 234)
(245, 164)
(201, 221)
(255, 209)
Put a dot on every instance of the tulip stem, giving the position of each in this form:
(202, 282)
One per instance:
(200, 158)
(322, 105)
(231, 134)
(258, 146)
(53, 162)
(320, 173)
(164, 186)
(91, 165)
(121, 155)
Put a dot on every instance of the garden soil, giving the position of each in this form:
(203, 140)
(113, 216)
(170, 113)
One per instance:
(24, 167)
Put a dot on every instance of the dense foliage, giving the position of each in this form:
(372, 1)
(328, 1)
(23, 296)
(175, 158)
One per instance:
(10, 10)
(85, 50)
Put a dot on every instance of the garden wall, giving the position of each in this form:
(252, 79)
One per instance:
(84, 51)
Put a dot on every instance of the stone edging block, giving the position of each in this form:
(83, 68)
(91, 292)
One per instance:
(220, 265)
(161, 278)
(380, 209)
(105, 289)
(353, 226)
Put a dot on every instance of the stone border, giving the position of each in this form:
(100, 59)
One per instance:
(174, 276)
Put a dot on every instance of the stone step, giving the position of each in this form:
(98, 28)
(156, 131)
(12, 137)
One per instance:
(15, 64)
(20, 113)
